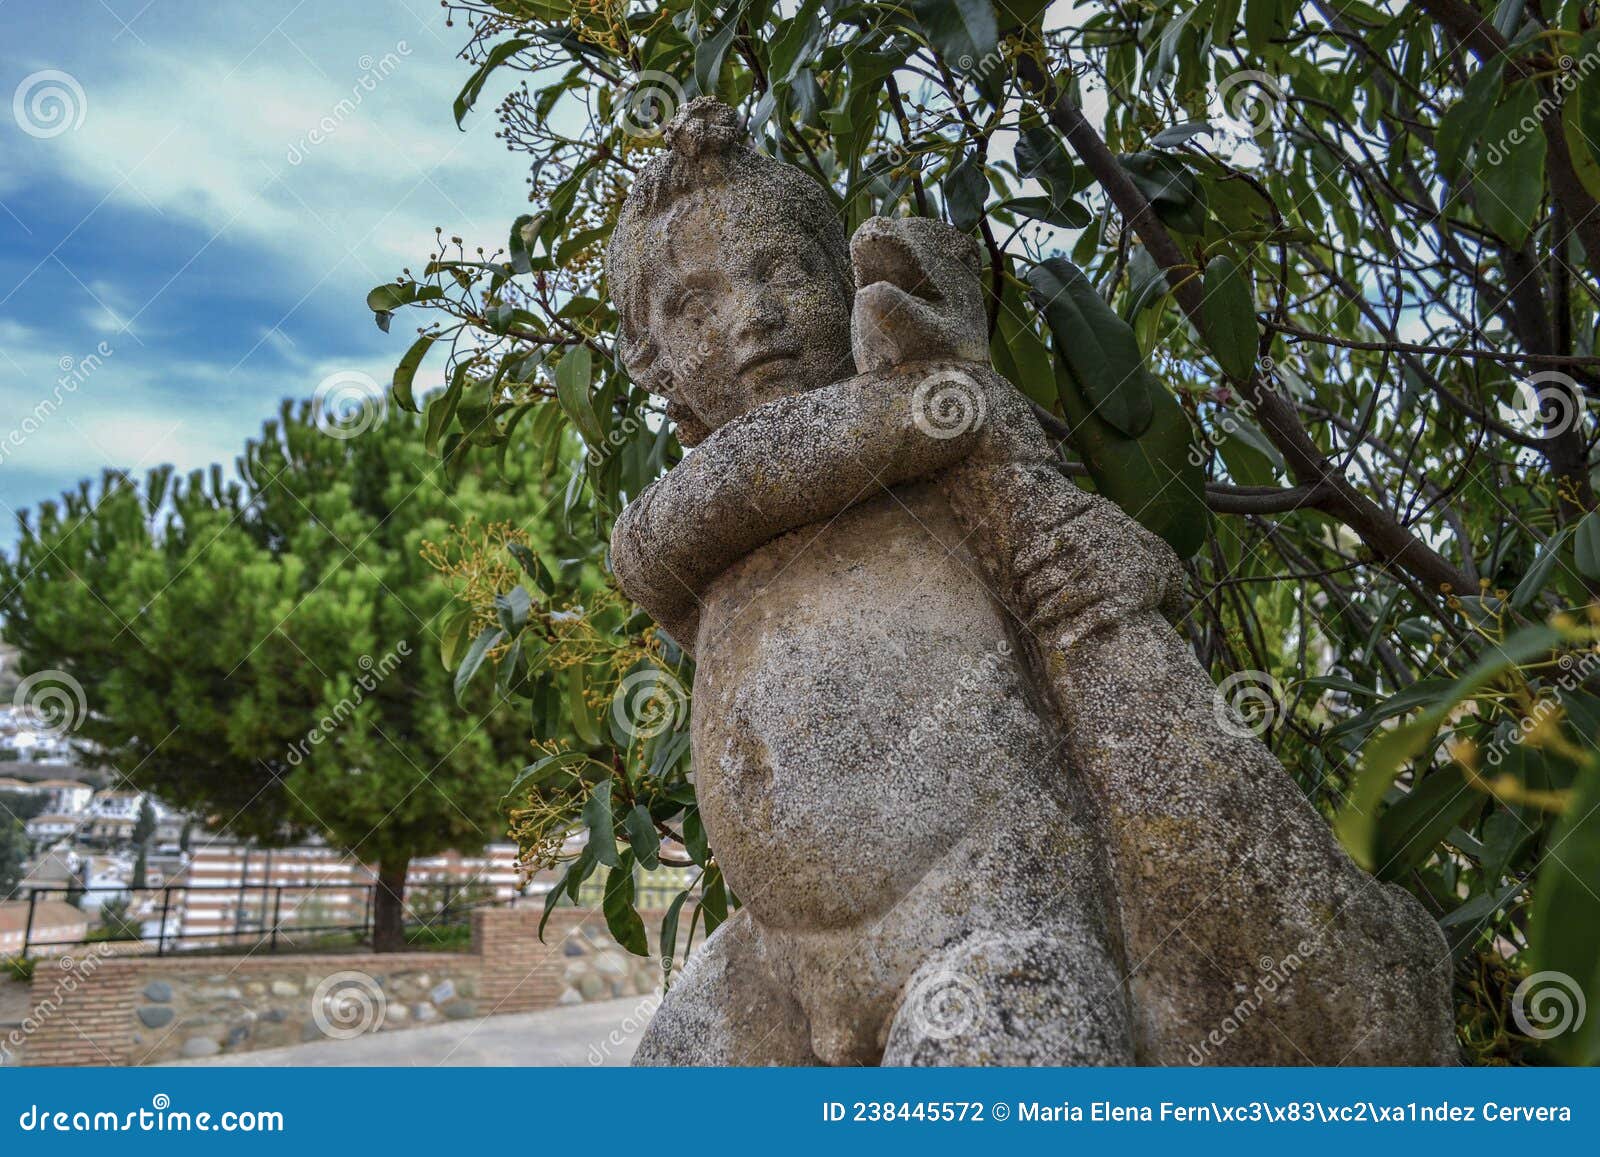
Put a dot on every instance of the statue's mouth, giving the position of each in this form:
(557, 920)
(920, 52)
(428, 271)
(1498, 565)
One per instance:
(763, 358)
(879, 256)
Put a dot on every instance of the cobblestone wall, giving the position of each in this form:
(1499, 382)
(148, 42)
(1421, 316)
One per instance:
(145, 1010)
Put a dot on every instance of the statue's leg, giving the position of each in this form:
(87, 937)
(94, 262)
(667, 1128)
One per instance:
(1045, 997)
(726, 1008)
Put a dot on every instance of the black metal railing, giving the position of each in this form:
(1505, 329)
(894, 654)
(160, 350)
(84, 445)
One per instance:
(253, 912)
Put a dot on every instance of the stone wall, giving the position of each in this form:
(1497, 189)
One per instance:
(145, 1010)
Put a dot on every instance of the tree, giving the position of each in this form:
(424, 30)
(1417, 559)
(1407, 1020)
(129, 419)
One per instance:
(115, 921)
(1338, 260)
(264, 653)
(13, 855)
(145, 826)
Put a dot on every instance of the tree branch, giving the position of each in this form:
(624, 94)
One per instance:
(1390, 542)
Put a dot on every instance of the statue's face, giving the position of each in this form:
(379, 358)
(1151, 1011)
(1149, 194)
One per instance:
(745, 309)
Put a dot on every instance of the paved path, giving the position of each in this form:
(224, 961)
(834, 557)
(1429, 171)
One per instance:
(600, 1033)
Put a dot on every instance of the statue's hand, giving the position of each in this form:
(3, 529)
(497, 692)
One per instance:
(919, 299)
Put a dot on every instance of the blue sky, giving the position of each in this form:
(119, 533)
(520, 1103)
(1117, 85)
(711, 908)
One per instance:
(174, 208)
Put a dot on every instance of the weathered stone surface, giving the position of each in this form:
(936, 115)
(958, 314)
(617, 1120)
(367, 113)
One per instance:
(158, 991)
(285, 988)
(155, 1015)
(200, 1046)
(966, 779)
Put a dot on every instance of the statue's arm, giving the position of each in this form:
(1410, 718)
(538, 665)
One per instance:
(789, 463)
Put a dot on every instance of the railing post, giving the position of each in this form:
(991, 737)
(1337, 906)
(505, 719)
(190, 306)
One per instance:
(161, 933)
(277, 906)
(27, 932)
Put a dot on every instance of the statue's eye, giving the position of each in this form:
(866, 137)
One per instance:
(785, 271)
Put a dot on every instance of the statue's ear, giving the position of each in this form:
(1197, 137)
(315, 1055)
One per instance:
(691, 430)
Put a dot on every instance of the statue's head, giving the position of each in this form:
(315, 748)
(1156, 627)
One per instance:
(730, 274)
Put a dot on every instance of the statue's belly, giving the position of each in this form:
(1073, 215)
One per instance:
(858, 700)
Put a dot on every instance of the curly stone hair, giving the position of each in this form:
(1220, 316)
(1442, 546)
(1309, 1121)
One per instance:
(706, 150)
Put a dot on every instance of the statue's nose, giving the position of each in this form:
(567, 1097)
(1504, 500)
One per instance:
(765, 314)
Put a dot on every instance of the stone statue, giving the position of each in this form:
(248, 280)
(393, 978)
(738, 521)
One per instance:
(965, 778)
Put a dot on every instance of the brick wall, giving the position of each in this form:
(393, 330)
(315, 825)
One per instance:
(103, 1010)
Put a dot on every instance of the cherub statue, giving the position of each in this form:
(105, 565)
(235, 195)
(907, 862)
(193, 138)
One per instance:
(964, 777)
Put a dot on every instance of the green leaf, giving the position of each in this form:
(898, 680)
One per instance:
(1067, 214)
(1410, 830)
(965, 190)
(572, 391)
(390, 296)
(452, 635)
(669, 935)
(597, 817)
(406, 372)
(533, 568)
(1389, 750)
(1566, 913)
(1533, 582)
(524, 230)
(470, 92)
(1509, 175)
(1158, 478)
(621, 917)
(1460, 127)
(963, 31)
(1171, 188)
(694, 837)
(579, 713)
(642, 836)
(488, 639)
(1097, 344)
(548, 767)
(512, 609)
(709, 53)
(1228, 317)
(1586, 546)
